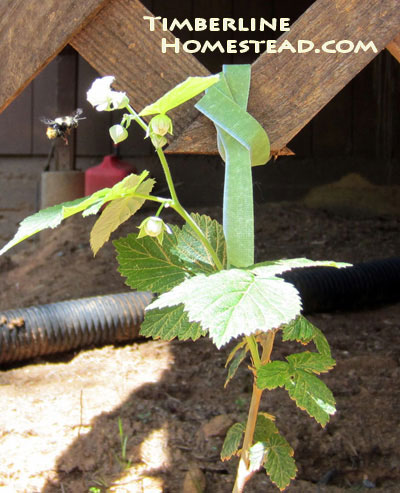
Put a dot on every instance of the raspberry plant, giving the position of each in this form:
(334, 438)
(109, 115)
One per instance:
(203, 274)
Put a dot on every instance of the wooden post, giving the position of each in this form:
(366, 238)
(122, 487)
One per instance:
(66, 104)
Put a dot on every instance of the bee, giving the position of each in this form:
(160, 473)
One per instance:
(62, 126)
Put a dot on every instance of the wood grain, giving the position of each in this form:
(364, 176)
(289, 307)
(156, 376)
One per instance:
(289, 89)
(118, 42)
(394, 47)
(31, 34)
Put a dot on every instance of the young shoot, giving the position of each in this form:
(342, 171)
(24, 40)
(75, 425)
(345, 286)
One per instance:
(203, 274)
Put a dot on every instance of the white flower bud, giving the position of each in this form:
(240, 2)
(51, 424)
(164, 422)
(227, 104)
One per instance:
(154, 226)
(118, 133)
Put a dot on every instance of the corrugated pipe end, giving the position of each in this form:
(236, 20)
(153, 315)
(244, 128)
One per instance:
(368, 284)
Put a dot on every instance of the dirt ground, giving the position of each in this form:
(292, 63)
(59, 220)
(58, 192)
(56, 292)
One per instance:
(60, 415)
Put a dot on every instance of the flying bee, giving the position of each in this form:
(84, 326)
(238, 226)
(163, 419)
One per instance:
(62, 126)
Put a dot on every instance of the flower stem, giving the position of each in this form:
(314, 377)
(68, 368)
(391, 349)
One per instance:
(174, 203)
(183, 213)
(167, 173)
(137, 118)
(161, 200)
(160, 209)
(244, 471)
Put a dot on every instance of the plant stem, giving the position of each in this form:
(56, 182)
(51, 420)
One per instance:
(244, 471)
(165, 202)
(137, 118)
(183, 213)
(175, 204)
(167, 173)
(160, 209)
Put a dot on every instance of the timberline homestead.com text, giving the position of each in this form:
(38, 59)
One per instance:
(213, 24)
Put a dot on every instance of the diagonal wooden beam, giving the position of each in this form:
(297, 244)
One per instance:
(394, 47)
(118, 42)
(32, 33)
(289, 89)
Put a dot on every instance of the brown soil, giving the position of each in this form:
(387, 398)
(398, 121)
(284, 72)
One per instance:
(59, 415)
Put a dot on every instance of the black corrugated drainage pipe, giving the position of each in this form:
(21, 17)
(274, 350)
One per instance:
(325, 289)
(57, 327)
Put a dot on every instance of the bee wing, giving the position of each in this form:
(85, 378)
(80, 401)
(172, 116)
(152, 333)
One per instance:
(46, 121)
(78, 112)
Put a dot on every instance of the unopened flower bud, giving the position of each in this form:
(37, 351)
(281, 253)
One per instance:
(118, 133)
(160, 125)
(154, 226)
(158, 141)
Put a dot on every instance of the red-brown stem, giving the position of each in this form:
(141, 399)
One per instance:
(244, 472)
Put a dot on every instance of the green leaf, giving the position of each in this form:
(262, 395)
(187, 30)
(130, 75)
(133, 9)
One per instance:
(52, 216)
(265, 428)
(321, 342)
(232, 354)
(92, 209)
(272, 375)
(311, 395)
(148, 265)
(168, 323)
(311, 362)
(119, 211)
(192, 251)
(305, 262)
(284, 265)
(279, 462)
(234, 302)
(184, 91)
(273, 451)
(124, 188)
(239, 357)
(232, 441)
(46, 218)
(96, 200)
(302, 330)
(299, 329)
(309, 392)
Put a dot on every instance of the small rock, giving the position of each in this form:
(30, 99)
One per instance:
(368, 484)
(195, 481)
(217, 426)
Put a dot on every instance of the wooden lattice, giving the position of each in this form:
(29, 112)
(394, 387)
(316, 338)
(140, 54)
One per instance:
(287, 89)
